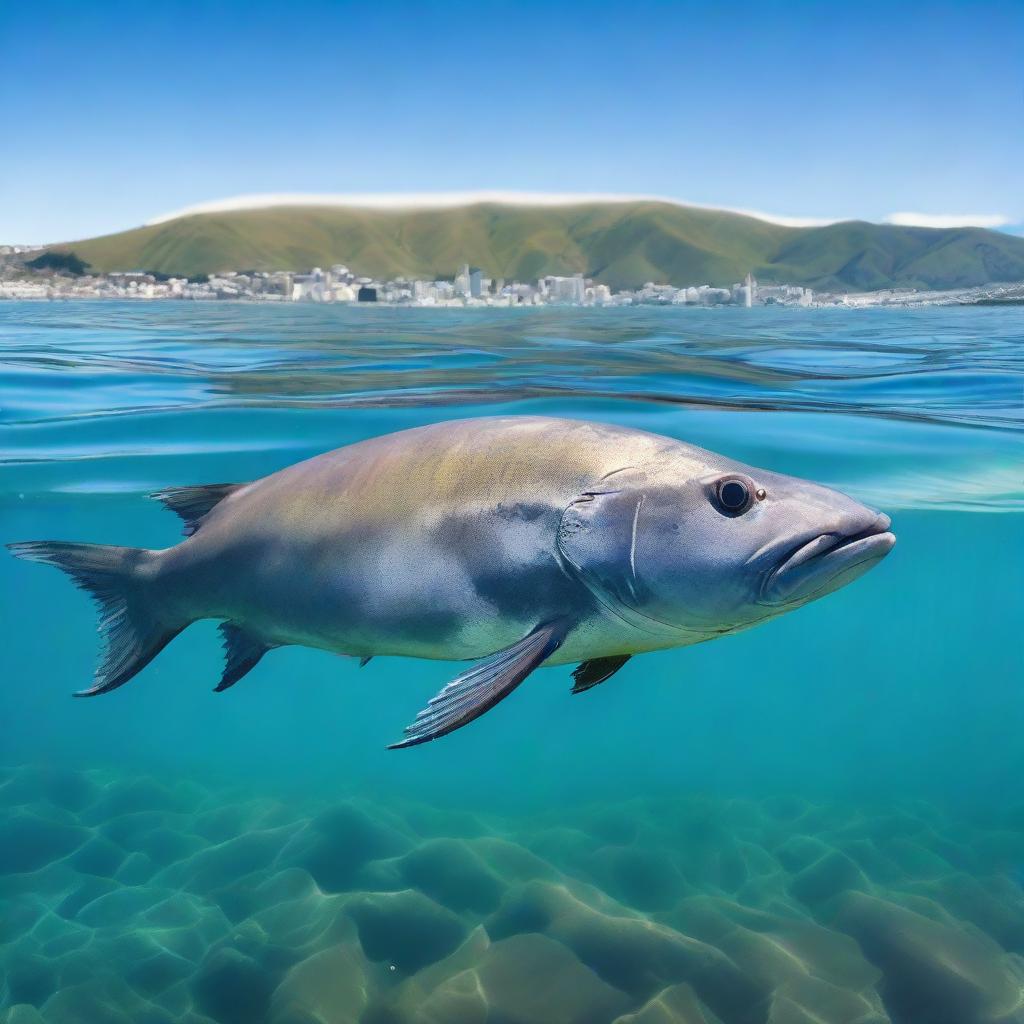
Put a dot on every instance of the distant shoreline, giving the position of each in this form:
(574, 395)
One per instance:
(858, 301)
(64, 277)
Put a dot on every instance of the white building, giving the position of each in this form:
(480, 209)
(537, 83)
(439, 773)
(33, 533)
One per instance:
(564, 289)
(713, 296)
(311, 287)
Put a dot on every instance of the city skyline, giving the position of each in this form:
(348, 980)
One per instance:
(65, 277)
(789, 111)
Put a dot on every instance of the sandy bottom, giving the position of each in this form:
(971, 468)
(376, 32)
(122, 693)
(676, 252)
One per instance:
(134, 901)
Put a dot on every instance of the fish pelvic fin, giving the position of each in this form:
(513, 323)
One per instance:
(242, 652)
(478, 689)
(133, 626)
(193, 503)
(597, 670)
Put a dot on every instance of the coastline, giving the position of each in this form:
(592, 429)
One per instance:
(65, 290)
(867, 300)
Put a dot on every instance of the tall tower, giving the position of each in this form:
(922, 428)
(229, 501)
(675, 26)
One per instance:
(749, 294)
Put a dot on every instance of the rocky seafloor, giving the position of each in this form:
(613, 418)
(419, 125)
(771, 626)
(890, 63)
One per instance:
(132, 900)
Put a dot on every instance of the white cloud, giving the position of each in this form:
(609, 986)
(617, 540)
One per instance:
(447, 200)
(948, 220)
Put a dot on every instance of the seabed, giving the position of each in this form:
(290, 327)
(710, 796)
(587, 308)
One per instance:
(129, 900)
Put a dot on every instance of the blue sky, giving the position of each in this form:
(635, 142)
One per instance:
(114, 114)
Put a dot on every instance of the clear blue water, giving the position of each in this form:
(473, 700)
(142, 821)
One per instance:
(900, 698)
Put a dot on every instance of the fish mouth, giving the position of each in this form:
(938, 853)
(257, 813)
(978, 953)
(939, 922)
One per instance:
(827, 562)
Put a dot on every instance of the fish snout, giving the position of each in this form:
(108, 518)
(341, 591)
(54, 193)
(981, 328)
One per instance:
(829, 556)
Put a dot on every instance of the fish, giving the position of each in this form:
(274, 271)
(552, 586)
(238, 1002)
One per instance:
(513, 542)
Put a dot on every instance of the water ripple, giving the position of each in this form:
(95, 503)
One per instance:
(151, 375)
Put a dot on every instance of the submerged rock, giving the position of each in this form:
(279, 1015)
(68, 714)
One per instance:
(628, 951)
(526, 979)
(231, 988)
(827, 877)
(645, 879)
(674, 1005)
(933, 971)
(329, 986)
(405, 930)
(336, 843)
(31, 841)
(449, 871)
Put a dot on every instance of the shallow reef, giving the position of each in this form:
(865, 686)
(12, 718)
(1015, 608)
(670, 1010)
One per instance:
(132, 900)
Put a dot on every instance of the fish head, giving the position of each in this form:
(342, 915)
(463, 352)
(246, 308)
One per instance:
(714, 546)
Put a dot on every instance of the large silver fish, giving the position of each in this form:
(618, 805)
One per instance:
(517, 541)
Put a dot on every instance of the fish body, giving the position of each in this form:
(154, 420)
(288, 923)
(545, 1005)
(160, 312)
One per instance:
(438, 542)
(517, 540)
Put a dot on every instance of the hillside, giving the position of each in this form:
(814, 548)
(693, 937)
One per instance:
(620, 244)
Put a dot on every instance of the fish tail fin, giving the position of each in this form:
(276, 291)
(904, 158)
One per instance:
(132, 628)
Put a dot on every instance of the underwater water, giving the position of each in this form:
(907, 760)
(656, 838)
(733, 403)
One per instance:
(818, 820)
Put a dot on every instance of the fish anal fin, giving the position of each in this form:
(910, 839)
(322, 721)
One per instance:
(242, 652)
(479, 688)
(192, 503)
(596, 670)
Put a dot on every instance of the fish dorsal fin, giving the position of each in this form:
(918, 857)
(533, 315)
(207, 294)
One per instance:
(242, 651)
(479, 688)
(192, 503)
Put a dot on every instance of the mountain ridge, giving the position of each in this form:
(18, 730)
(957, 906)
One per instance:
(621, 244)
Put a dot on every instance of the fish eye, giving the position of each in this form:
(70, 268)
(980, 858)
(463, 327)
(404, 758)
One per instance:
(734, 495)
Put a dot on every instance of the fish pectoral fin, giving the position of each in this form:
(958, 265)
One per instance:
(479, 688)
(242, 651)
(597, 670)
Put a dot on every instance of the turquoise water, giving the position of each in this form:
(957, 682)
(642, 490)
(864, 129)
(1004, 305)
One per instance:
(819, 820)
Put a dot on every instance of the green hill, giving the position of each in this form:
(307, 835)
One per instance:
(620, 244)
